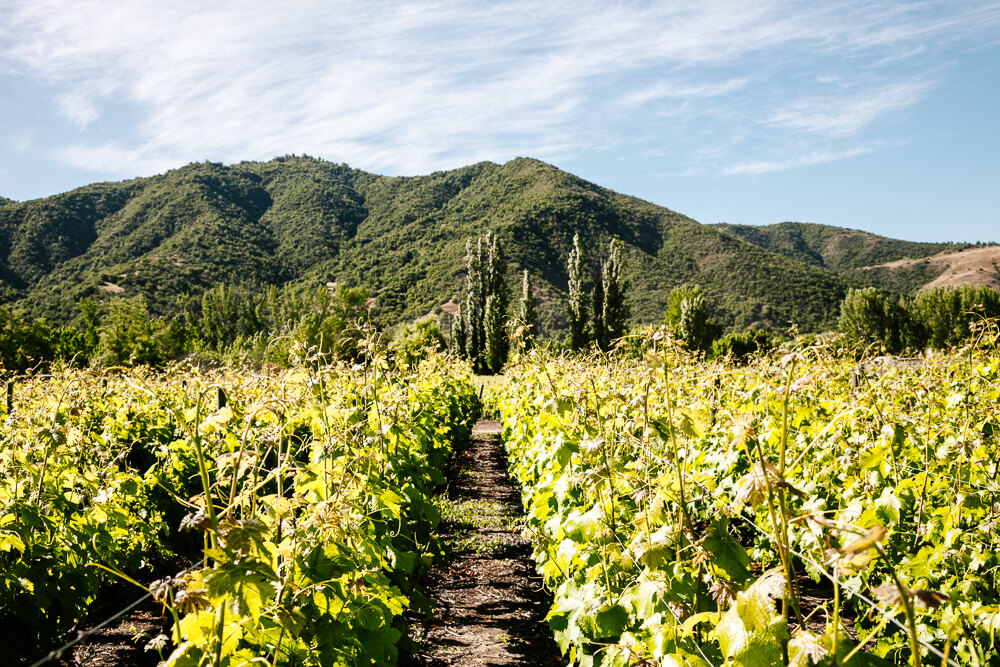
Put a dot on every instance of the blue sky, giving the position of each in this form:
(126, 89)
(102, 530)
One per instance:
(872, 115)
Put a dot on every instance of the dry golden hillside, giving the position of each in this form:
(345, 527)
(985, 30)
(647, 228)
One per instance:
(973, 266)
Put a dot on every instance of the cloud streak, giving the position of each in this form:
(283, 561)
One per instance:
(807, 160)
(420, 86)
(847, 114)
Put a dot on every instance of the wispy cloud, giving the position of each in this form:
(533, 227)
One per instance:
(78, 108)
(846, 114)
(670, 90)
(807, 160)
(406, 88)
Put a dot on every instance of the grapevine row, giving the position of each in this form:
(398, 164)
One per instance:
(781, 512)
(307, 495)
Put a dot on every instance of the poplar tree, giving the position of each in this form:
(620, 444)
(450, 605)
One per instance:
(495, 351)
(615, 310)
(484, 308)
(458, 332)
(497, 339)
(688, 316)
(474, 305)
(577, 312)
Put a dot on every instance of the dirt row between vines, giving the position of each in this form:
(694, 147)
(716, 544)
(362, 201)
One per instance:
(489, 603)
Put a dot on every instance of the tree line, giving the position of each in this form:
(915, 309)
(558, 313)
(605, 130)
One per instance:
(279, 324)
(938, 318)
(234, 322)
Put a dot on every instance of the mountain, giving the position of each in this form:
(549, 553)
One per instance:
(971, 266)
(834, 248)
(304, 221)
(891, 264)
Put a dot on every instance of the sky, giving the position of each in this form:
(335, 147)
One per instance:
(879, 116)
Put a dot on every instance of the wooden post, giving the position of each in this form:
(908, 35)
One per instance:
(855, 380)
(220, 398)
(10, 395)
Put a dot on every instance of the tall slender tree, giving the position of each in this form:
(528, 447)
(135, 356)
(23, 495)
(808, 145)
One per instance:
(474, 305)
(495, 323)
(458, 331)
(484, 306)
(577, 312)
(615, 309)
(495, 352)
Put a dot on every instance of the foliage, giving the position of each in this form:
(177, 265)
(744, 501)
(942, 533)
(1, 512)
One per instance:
(687, 314)
(938, 318)
(417, 340)
(868, 317)
(615, 309)
(600, 330)
(946, 315)
(74, 494)
(497, 341)
(126, 335)
(835, 248)
(25, 345)
(327, 319)
(302, 222)
(484, 337)
(527, 315)
(739, 346)
(577, 307)
(675, 505)
(308, 494)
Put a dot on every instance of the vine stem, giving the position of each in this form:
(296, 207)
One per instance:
(203, 472)
(782, 508)
(685, 519)
(904, 596)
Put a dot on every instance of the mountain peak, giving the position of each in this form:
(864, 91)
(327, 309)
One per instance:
(307, 221)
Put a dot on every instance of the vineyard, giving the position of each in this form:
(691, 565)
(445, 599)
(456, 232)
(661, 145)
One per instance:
(797, 510)
(302, 500)
(800, 508)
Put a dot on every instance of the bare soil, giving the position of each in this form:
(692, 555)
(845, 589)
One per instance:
(121, 642)
(490, 606)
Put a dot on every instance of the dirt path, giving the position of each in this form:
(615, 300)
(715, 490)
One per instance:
(490, 605)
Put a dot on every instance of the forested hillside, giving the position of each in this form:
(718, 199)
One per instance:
(834, 248)
(851, 252)
(298, 220)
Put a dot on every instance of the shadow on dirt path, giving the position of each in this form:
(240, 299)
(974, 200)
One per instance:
(490, 604)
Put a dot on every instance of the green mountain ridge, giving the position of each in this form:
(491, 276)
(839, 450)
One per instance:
(835, 248)
(305, 221)
(850, 252)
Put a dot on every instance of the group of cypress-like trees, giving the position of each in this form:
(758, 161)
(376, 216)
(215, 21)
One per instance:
(689, 318)
(481, 329)
(481, 332)
(610, 311)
